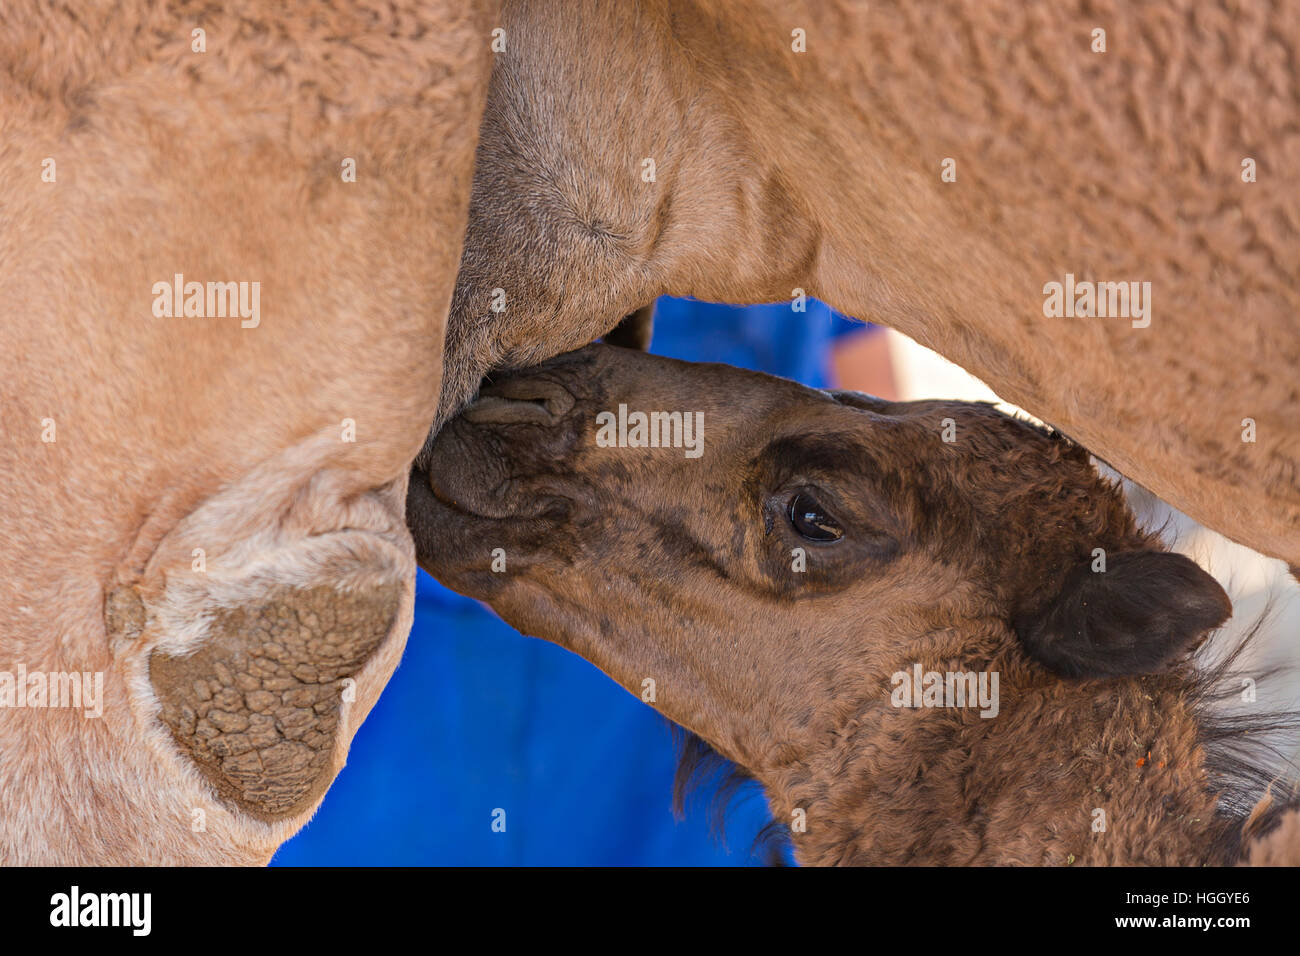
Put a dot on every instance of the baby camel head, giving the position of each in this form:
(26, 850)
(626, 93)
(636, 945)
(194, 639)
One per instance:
(772, 565)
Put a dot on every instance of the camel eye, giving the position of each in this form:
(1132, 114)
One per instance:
(811, 520)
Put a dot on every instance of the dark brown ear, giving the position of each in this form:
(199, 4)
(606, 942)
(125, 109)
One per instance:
(1146, 610)
(635, 331)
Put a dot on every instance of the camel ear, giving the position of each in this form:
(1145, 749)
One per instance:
(635, 330)
(1146, 610)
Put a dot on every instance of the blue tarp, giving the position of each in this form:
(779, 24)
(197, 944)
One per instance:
(478, 719)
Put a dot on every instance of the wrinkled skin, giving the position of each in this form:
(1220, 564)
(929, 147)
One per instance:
(975, 554)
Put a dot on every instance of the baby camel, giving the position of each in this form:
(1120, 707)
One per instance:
(933, 632)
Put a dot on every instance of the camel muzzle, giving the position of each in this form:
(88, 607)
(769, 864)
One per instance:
(517, 401)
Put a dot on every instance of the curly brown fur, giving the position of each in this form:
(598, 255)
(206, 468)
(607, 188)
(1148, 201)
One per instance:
(997, 549)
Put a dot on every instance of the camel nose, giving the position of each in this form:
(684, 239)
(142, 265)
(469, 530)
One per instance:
(517, 401)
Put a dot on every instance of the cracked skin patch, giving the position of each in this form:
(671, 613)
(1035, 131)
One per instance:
(257, 706)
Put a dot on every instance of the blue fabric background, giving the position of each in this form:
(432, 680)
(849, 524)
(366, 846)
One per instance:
(478, 718)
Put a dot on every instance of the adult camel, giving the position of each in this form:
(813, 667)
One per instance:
(230, 235)
(1091, 208)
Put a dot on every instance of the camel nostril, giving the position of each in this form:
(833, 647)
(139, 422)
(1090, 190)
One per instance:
(495, 410)
(520, 401)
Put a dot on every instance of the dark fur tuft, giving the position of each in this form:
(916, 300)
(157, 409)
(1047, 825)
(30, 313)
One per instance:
(701, 769)
(1240, 749)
